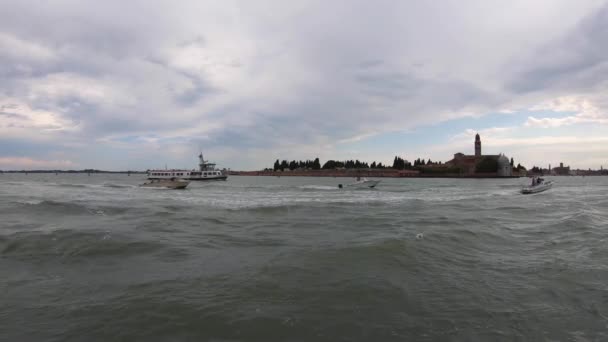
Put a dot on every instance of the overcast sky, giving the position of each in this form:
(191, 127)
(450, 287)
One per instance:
(141, 84)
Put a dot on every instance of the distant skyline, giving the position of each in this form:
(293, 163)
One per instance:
(136, 85)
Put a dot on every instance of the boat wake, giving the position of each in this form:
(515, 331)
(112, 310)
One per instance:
(317, 187)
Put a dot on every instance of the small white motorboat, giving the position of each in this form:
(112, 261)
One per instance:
(538, 185)
(166, 184)
(361, 183)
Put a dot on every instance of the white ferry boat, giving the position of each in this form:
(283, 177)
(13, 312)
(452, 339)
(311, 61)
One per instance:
(207, 171)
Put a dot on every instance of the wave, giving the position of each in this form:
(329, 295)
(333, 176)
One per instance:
(69, 208)
(70, 243)
(318, 187)
(66, 185)
(30, 202)
(118, 186)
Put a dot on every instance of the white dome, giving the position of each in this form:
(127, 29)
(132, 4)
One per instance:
(503, 160)
(504, 166)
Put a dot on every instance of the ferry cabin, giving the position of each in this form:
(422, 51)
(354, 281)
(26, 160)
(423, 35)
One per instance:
(168, 174)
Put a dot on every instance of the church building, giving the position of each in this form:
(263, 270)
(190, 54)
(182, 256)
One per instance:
(470, 165)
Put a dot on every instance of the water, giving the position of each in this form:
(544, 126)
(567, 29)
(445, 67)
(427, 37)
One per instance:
(95, 258)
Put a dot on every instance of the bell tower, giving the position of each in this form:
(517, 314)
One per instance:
(477, 146)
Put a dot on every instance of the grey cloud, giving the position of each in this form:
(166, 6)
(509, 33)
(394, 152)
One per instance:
(271, 72)
(389, 85)
(576, 61)
(13, 115)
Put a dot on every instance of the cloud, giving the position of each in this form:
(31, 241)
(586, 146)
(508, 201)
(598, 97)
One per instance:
(21, 121)
(16, 48)
(586, 112)
(294, 80)
(25, 163)
(578, 60)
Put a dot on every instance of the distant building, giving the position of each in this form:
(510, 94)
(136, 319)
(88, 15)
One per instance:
(470, 164)
(477, 146)
(504, 166)
(561, 170)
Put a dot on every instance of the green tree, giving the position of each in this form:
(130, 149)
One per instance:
(277, 165)
(316, 164)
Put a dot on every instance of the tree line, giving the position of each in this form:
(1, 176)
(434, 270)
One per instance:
(398, 164)
(292, 165)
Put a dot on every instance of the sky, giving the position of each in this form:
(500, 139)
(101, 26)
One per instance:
(136, 85)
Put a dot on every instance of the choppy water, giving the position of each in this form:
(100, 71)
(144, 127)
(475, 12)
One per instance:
(95, 258)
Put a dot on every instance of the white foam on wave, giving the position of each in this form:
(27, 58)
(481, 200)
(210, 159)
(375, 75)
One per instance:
(259, 199)
(30, 202)
(118, 186)
(317, 187)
